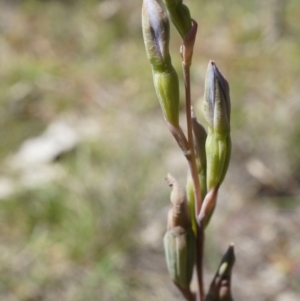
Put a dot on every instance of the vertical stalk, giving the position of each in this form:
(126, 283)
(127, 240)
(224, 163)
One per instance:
(192, 159)
(199, 261)
(187, 293)
(194, 173)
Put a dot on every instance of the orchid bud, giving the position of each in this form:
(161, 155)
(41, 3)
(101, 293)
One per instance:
(217, 115)
(180, 16)
(220, 287)
(218, 152)
(180, 248)
(216, 101)
(156, 33)
(179, 240)
(167, 90)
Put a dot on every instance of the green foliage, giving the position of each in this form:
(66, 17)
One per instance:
(80, 219)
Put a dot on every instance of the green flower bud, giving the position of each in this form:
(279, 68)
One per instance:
(180, 247)
(167, 90)
(217, 115)
(180, 16)
(218, 151)
(217, 101)
(156, 33)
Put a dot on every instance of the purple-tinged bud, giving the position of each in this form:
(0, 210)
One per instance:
(217, 115)
(216, 100)
(156, 33)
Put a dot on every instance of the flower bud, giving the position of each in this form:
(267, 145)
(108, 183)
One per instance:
(179, 240)
(180, 16)
(216, 101)
(167, 90)
(218, 151)
(220, 287)
(180, 247)
(156, 33)
(217, 115)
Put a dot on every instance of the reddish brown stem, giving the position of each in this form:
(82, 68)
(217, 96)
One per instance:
(197, 190)
(187, 54)
(192, 161)
(187, 293)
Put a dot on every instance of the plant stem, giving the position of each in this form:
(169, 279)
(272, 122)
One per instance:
(199, 261)
(192, 158)
(186, 292)
(197, 191)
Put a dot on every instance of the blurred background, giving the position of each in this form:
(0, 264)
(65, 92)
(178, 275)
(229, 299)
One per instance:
(84, 150)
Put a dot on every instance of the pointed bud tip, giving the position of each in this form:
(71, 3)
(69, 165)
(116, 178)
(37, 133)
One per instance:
(231, 249)
(229, 257)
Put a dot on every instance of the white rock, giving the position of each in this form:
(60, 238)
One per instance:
(58, 138)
